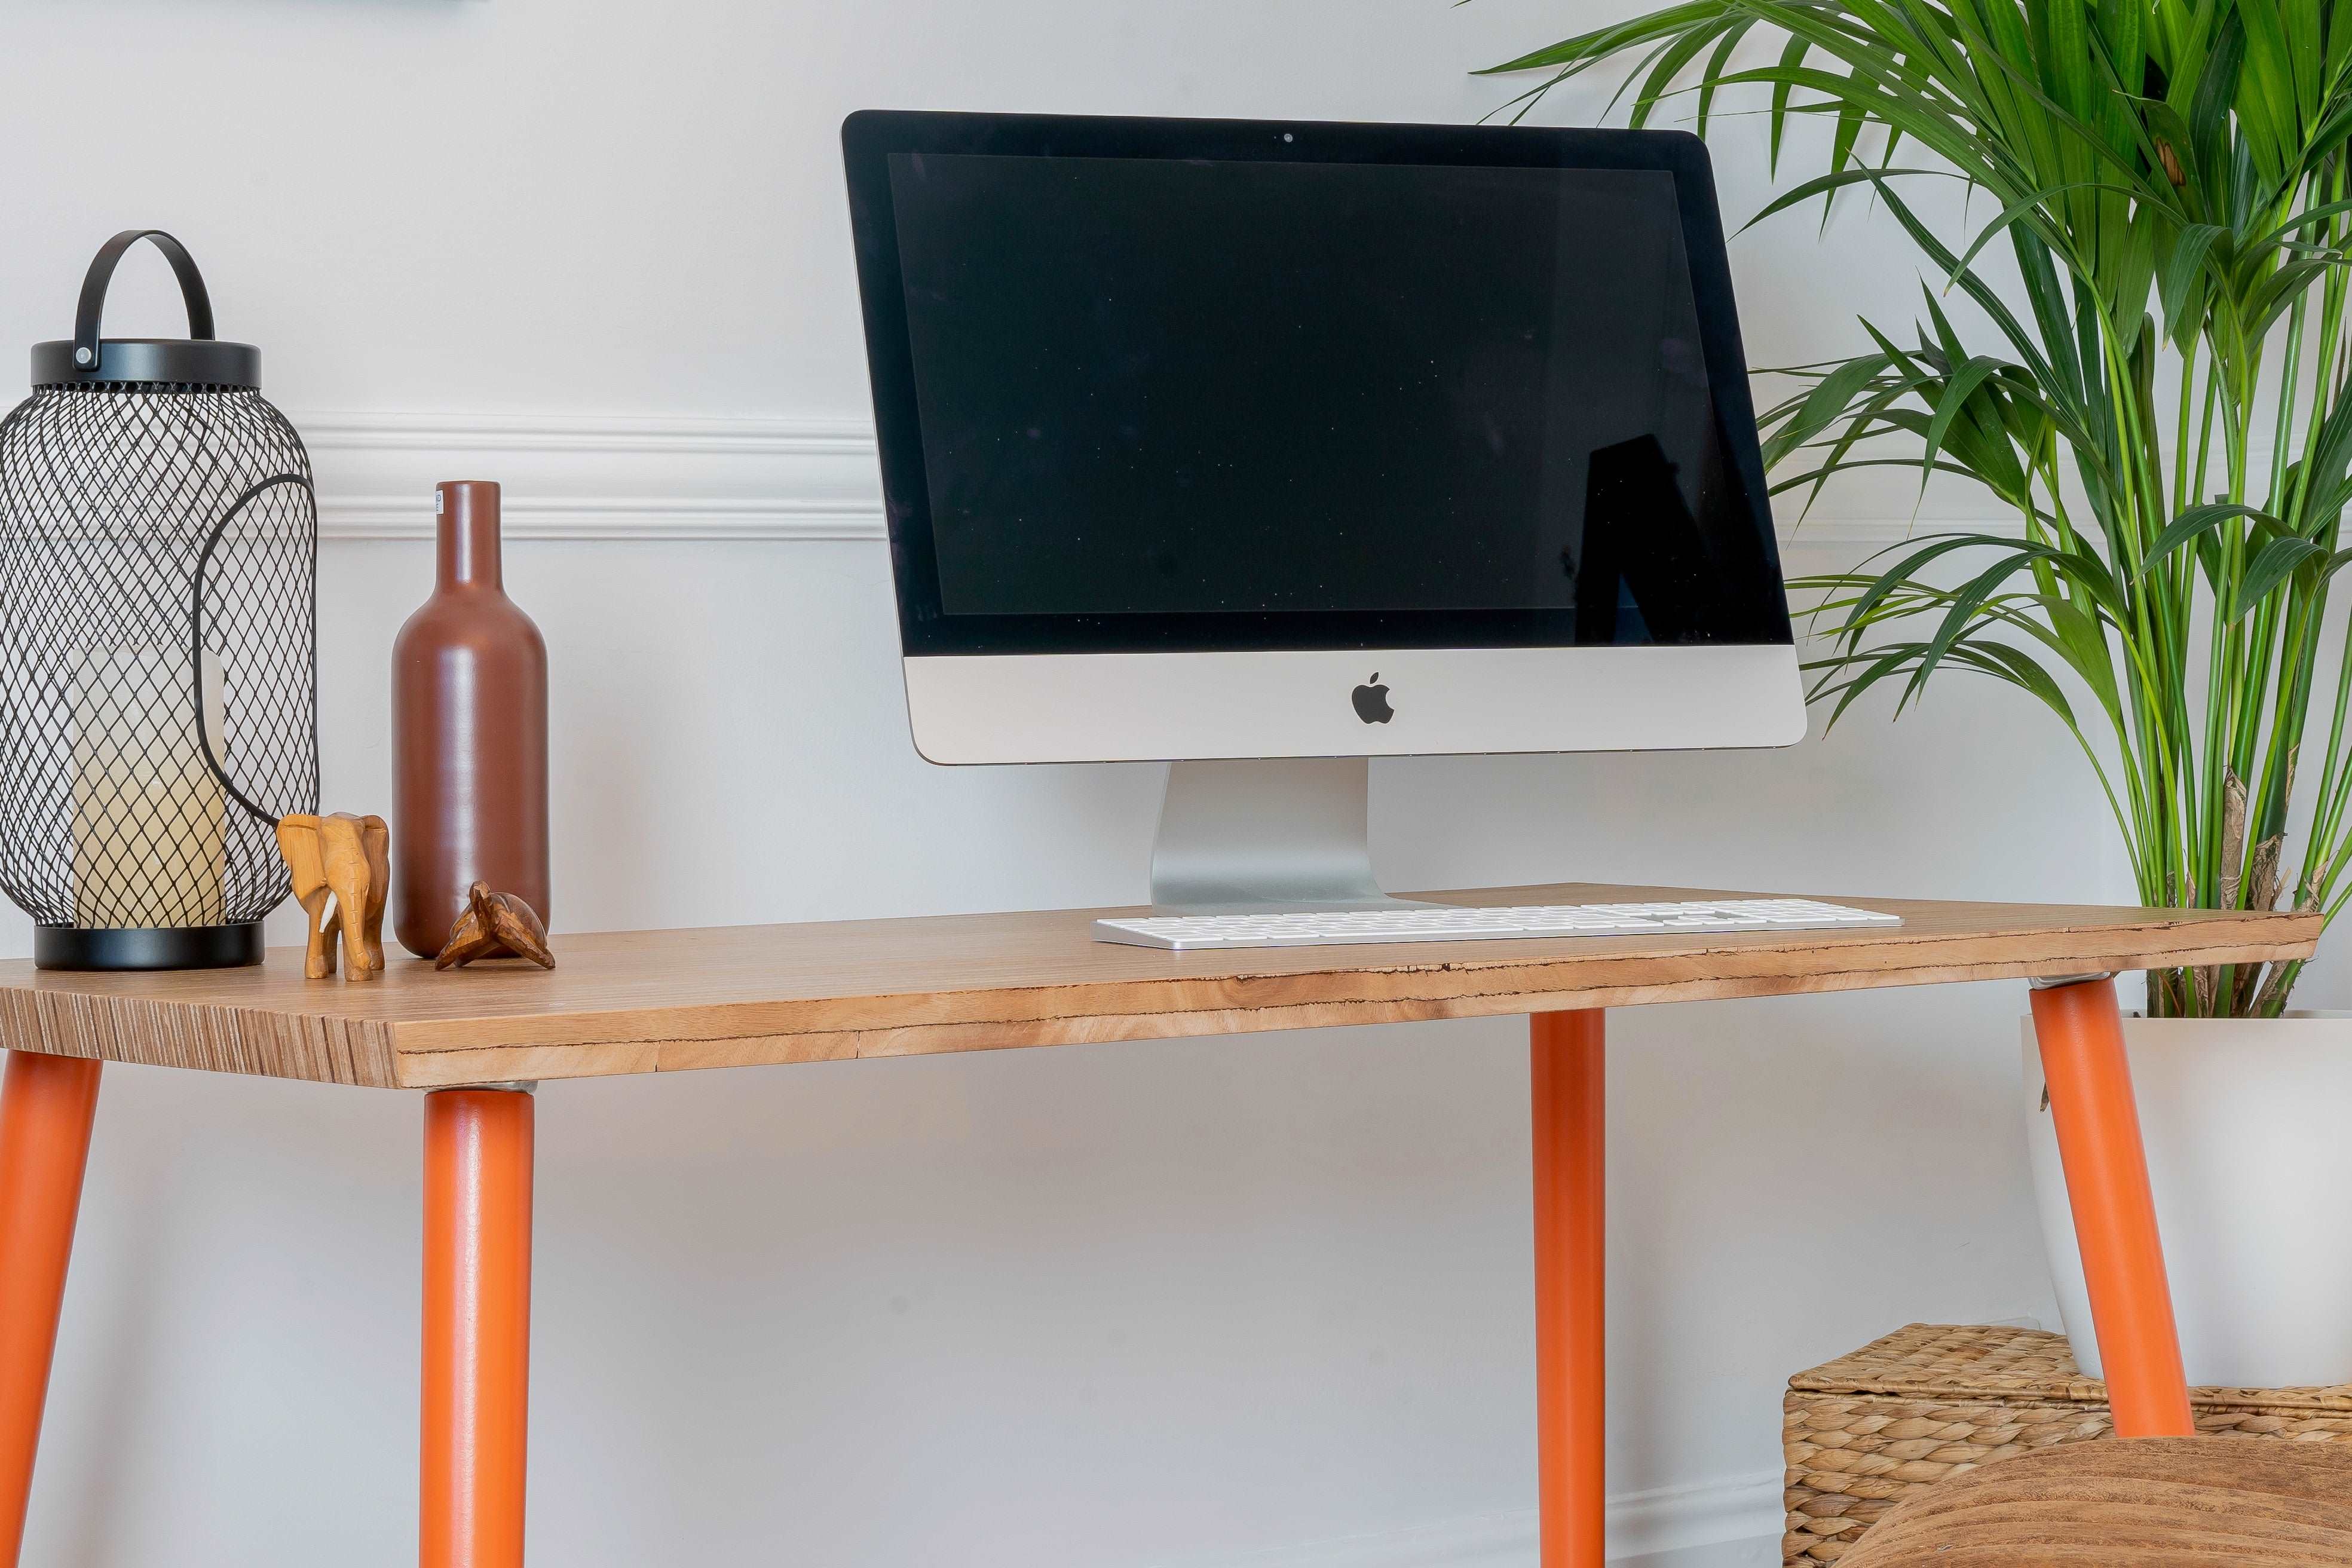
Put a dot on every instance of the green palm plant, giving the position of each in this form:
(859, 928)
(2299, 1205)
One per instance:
(2158, 393)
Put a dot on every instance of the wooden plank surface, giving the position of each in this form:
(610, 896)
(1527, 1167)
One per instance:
(2153, 1503)
(746, 995)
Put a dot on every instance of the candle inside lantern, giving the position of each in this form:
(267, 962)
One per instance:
(149, 830)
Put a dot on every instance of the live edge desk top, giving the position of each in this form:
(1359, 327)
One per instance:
(746, 995)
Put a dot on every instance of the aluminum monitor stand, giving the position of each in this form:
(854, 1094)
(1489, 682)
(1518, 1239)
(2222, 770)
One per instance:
(1290, 832)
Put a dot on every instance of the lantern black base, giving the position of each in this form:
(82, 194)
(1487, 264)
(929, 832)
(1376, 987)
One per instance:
(168, 947)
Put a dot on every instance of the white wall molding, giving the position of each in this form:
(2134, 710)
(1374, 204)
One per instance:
(1737, 1511)
(604, 517)
(806, 436)
(609, 477)
(600, 477)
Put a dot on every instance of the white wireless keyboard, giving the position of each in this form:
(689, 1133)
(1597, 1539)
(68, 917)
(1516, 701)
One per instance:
(1450, 922)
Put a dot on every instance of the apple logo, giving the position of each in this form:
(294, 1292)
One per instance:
(1371, 701)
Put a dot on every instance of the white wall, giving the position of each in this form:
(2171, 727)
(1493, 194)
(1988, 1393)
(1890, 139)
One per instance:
(1144, 1303)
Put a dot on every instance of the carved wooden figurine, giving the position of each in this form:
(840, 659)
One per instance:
(348, 858)
(496, 925)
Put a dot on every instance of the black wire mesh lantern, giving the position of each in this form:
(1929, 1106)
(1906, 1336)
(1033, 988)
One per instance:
(158, 641)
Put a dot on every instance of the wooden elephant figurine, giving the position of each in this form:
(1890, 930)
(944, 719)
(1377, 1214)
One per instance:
(348, 858)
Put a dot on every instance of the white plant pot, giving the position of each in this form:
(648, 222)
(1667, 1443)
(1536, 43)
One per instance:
(2248, 1125)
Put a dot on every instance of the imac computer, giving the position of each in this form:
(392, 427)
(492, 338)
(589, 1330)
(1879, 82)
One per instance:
(1266, 448)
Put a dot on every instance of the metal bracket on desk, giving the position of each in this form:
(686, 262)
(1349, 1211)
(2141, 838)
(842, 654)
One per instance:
(2054, 981)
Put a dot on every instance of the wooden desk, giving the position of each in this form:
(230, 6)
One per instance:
(663, 1001)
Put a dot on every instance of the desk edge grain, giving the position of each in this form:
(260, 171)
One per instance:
(1402, 984)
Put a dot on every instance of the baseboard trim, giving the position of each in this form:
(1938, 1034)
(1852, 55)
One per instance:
(622, 476)
(1648, 1524)
(1674, 1519)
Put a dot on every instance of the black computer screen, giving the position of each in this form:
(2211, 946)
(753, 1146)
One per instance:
(1173, 391)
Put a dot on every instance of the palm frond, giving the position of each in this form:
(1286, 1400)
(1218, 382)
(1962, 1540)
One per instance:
(2174, 182)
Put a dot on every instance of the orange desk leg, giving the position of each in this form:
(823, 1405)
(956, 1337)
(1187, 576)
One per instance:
(46, 1104)
(2082, 1041)
(478, 1154)
(1567, 1072)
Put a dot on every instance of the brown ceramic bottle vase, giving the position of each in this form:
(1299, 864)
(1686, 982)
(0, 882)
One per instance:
(469, 734)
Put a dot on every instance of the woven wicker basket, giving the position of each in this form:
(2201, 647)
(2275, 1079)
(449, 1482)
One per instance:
(1868, 1429)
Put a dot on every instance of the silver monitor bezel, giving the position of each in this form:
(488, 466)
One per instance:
(1117, 689)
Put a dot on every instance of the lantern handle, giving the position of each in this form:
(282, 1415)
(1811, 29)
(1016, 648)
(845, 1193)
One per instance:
(196, 648)
(101, 273)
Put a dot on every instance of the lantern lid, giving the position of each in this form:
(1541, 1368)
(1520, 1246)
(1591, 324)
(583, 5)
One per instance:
(186, 362)
(196, 360)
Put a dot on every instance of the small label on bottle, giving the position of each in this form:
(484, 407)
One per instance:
(440, 500)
